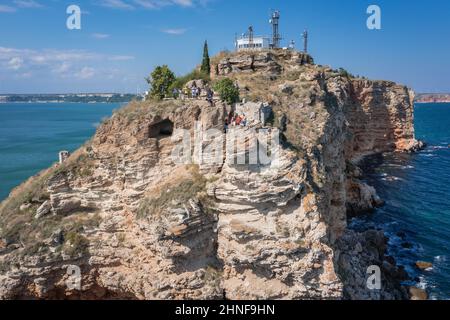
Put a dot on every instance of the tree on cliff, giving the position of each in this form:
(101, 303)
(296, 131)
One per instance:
(160, 81)
(206, 63)
(227, 90)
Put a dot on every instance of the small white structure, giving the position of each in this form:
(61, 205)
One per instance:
(63, 156)
(257, 43)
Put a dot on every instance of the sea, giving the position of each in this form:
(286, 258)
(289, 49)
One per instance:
(416, 187)
(33, 134)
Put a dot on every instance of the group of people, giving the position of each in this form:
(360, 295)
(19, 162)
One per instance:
(195, 93)
(235, 120)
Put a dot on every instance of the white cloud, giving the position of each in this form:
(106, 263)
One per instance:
(25, 75)
(116, 4)
(27, 4)
(100, 35)
(85, 73)
(176, 32)
(62, 69)
(149, 4)
(62, 64)
(6, 9)
(120, 58)
(15, 63)
(156, 4)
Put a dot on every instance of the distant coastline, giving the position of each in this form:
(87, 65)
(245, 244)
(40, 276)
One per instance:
(433, 98)
(69, 98)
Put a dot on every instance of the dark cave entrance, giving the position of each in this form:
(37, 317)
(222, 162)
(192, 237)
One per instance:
(161, 130)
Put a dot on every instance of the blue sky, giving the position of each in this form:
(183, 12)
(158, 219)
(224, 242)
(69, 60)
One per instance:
(122, 40)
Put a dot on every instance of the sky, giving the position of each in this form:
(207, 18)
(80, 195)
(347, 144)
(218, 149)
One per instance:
(121, 41)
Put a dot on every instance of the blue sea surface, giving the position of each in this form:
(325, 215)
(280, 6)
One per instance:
(416, 189)
(32, 134)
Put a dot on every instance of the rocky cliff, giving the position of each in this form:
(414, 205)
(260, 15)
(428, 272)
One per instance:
(140, 224)
(433, 98)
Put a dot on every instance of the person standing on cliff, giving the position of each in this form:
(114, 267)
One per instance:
(210, 96)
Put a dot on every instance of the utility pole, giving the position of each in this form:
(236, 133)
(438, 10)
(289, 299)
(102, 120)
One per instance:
(292, 45)
(305, 41)
(250, 37)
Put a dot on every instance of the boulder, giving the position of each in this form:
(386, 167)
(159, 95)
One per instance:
(2, 244)
(43, 210)
(25, 206)
(417, 294)
(422, 265)
(286, 88)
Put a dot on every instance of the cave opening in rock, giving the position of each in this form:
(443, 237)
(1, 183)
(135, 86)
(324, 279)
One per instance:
(161, 130)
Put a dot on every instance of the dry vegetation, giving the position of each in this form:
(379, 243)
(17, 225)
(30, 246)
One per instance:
(19, 226)
(174, 193)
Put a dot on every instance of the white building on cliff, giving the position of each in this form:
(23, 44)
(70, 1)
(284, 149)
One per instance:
(257, 43)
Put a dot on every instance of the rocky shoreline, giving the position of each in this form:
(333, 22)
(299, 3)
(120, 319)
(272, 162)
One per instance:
(397, 275)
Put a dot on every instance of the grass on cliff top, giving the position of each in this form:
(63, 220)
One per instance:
(137, 109)
(174, 194)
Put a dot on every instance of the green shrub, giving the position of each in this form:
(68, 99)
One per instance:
(227, 91)
(344, 73)
(160, 81)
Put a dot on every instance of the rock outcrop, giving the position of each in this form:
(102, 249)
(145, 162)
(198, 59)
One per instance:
(146, 211)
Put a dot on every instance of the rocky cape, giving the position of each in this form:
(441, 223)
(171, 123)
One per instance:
(433, 98)
(140, 226)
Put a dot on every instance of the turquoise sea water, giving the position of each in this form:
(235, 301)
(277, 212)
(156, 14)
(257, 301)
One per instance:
(416, 188)
(31, 136)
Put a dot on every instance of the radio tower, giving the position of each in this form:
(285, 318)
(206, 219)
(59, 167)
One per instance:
(250, 37)
(305, 41)
(275, 22)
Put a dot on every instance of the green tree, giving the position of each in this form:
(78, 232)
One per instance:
(206, 63)
(227, 91)
(160, 81)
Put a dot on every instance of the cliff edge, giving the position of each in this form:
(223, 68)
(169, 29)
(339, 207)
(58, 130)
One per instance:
(138, 224)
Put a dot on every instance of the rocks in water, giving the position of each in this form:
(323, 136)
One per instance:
(43, 210)
(362, 198)
(423, 265)
(418, 294)
(401, 234)
(407, 245)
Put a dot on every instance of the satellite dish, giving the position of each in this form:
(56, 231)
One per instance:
(270, 21)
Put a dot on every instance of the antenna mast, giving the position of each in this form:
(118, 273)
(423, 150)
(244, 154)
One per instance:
(305, 41)
(275, 22)
(250, 37)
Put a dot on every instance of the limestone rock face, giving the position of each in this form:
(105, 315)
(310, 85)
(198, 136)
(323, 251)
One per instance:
(160, 205)
(266, 62)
